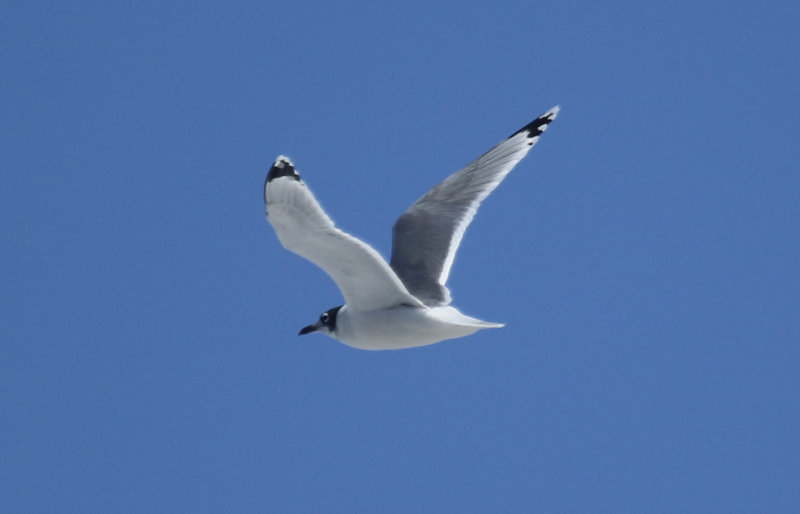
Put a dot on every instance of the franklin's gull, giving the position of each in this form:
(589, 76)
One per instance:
(403, 303)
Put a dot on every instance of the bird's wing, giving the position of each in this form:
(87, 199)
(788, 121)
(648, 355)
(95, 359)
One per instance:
(363, 276)
(426, 237)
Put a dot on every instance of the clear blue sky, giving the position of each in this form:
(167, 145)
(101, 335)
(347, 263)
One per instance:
(644, 257)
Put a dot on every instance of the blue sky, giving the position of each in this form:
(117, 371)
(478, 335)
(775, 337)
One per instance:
(644, 257)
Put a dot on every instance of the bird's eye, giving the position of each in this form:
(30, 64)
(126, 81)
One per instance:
(324, 317)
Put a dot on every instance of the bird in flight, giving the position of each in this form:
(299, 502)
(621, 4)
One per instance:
(403, 303)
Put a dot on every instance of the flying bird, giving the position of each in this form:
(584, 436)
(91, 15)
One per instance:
(403, 303)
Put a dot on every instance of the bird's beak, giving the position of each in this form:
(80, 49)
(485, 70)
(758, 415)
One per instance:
(308, 330)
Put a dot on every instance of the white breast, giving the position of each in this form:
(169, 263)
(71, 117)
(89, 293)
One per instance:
(404, 327)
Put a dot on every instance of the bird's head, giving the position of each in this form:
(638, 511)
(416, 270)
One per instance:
(326, 323)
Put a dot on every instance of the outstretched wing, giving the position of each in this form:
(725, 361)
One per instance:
(426, 237)
(363, 277)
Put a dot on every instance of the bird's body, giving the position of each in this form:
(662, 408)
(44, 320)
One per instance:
(404, 326)
(405, 304)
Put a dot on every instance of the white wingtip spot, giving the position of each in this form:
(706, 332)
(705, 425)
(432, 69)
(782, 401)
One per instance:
(281, 159)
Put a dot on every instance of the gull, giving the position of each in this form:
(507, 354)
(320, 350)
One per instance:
(404, 303)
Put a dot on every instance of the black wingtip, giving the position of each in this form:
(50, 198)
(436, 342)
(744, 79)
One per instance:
(539, 125)
(282, 167)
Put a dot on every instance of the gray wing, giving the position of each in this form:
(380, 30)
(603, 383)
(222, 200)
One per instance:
(426, 237)
(363, 276)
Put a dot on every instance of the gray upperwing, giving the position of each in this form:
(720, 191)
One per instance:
(426, 237)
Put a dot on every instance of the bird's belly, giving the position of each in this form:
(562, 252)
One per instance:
(402, 327)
